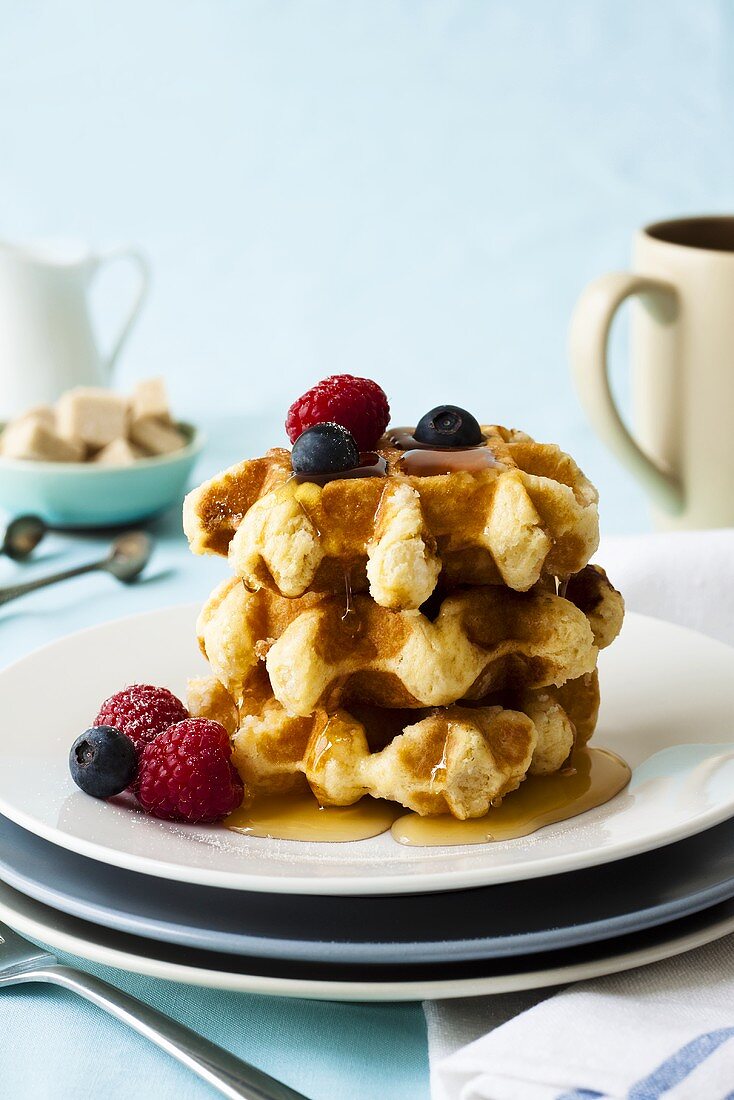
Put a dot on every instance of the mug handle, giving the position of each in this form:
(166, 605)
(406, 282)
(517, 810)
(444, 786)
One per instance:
(143, 269)
(589, 342)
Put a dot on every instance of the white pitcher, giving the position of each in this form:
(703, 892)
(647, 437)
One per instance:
(47, 343)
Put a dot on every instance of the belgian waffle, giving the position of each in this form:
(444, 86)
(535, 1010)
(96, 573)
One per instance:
(318, 654)
(594, 594)
(530, 513)
(458, 759)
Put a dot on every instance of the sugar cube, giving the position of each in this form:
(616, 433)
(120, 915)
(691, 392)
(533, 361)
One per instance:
(43, 413)
(92, 416)
(31, 439)
(150, 400)
(156, 438)
(119, 452)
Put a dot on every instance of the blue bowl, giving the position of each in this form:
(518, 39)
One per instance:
(83, 494)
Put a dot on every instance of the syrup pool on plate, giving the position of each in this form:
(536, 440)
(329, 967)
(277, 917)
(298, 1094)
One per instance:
(298, 816)
(593, 777)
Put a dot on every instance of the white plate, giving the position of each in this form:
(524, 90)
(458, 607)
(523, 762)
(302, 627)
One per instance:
(183, 964)
(668, 708)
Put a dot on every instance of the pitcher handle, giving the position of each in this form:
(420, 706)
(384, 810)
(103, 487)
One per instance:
(141, 293)
(589, 342)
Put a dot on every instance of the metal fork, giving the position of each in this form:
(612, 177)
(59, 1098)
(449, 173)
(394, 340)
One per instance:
(21, 961)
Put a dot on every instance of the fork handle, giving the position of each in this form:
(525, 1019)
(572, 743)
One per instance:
(227, 1073)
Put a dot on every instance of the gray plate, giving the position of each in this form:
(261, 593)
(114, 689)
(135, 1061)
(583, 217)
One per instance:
(493, 922)
(543, 969)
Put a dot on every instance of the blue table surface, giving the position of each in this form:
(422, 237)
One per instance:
(324, 1049)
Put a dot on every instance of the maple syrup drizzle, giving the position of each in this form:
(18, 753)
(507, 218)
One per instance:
(348, 606)
(427, 460)
(370, 465)
(406, 441)
(593, 777)
(422, 462)
(323, 743)
(299, 817)
(306, 513)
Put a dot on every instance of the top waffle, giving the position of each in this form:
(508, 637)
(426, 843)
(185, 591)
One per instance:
(528, 514)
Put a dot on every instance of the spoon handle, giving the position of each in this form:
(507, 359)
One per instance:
(12, 591)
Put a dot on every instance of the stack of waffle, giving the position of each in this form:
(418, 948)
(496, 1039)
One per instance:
(426, 637)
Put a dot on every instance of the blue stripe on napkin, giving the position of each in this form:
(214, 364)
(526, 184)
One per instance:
(670, 1072)
(674, 1069)
(580, 1094)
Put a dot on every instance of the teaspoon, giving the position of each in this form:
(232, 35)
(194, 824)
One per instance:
(128, 556)
(22, 536)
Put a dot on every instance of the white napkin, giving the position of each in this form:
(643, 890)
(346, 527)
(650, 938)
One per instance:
(661, 1031)
(687, 577)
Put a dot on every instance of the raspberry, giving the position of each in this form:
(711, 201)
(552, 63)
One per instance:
(186, 773)
(142, 712)
(358, 404)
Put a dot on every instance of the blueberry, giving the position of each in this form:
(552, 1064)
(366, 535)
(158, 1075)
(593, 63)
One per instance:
(103, 761)
(324, 449)
(448, 426)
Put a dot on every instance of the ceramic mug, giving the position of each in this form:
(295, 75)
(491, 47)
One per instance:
(47, 341)
(682, 449)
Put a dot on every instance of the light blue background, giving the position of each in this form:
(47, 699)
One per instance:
(415, 191)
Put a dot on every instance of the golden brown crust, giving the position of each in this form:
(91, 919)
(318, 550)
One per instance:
(458, 759)
(533, 514)
(595, 595)
(319, 655)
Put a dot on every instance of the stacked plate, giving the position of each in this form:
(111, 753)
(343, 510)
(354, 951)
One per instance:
(645, 876)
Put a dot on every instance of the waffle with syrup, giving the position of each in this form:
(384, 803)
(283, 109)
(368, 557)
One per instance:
(395, 625)
(457, 759)
(319, 654)
(460, 759)
(524, 512)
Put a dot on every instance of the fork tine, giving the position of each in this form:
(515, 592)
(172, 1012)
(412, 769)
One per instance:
(18, 954)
